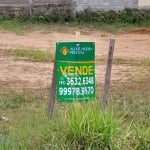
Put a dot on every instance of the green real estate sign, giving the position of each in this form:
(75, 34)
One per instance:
(75, 71)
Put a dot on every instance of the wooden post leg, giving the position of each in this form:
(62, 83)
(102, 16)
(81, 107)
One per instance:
(52, 93)
(108, 73)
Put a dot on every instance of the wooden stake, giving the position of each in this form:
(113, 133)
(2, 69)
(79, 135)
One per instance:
(52, 93)
(77, 33)
(30, 7)
(108, 73)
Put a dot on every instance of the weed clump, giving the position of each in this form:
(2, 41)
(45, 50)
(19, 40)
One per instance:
(90, 128)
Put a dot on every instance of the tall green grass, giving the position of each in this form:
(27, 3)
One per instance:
(79, 127)
(36, 131)
(90, 128)
(124, 125)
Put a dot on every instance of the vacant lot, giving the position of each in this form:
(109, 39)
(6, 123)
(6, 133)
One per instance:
(26, 64)
(129, 48)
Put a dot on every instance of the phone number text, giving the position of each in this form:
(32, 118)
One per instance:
(76, 91)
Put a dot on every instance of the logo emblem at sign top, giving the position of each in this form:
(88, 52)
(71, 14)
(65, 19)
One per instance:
(64, 51)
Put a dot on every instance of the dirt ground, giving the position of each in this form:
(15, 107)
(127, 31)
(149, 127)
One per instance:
(19, 75)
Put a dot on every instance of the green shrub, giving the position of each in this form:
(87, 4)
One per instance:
(126, 16)
(110, 21)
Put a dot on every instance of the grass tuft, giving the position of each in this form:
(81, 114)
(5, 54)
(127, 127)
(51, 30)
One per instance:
(145, 62)
(90, 128)
(31, 55)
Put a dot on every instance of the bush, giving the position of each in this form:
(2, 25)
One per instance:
(126, 16)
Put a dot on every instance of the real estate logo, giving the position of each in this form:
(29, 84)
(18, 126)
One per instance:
(64, 51)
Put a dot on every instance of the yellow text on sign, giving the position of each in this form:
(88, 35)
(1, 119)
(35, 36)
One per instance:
(77, 70)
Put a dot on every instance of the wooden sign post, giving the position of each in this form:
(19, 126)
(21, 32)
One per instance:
(52, 92)
(108, 73)
(73, 74)
(75, 77)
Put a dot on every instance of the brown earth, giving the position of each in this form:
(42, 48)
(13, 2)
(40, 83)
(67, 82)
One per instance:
(19, 75)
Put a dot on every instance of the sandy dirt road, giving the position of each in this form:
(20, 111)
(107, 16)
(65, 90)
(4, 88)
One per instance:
(18, 75)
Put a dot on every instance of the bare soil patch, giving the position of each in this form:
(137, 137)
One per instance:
(17, 75)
